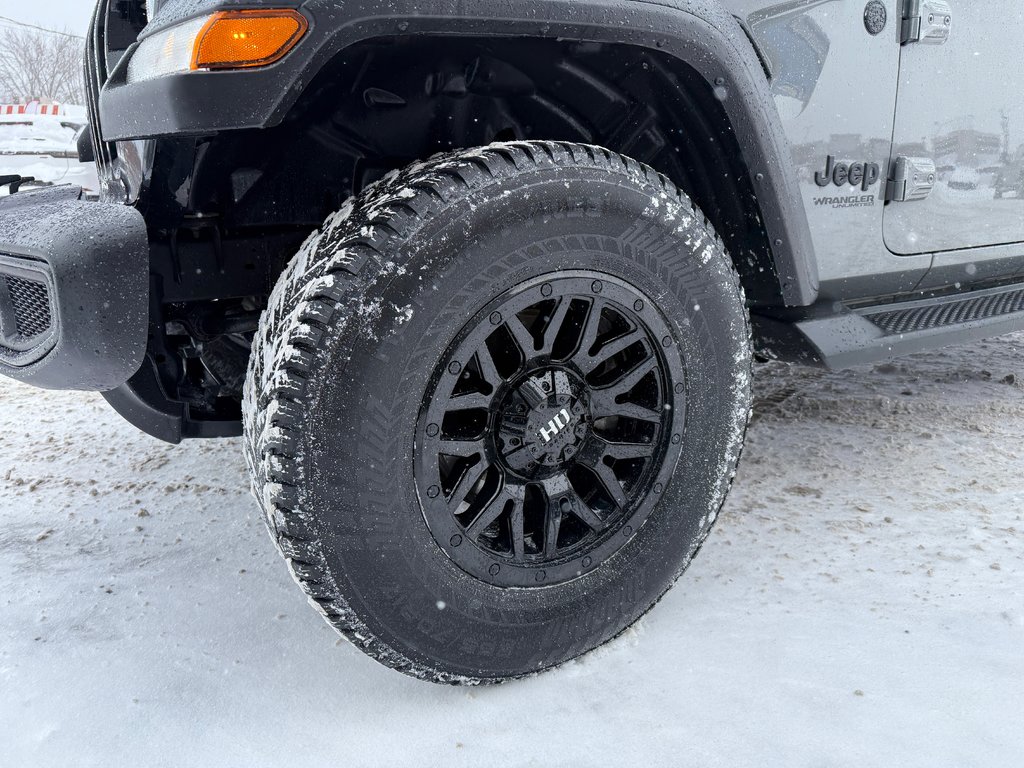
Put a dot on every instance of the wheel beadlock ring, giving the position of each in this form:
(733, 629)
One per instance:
(550, 428)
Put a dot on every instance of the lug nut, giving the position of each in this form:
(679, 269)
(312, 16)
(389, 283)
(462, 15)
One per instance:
(432, 430)
(597, 286)
(454, 368)
(493, 570)
(433, 491)
(496, 318)
(545, 290)
(455, 540)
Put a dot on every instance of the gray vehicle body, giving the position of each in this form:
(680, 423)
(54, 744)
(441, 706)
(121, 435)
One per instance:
(823, 108)
(845, 93)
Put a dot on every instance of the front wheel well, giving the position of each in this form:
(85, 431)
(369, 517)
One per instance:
(382, 104)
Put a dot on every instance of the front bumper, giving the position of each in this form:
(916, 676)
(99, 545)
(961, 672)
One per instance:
(74, 290)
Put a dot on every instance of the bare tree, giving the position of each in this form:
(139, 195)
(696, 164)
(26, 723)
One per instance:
(41, 65)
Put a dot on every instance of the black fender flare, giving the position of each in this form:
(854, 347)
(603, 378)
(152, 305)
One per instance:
(704, 35)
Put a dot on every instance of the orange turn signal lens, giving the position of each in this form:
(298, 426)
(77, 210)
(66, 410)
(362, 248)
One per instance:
(237, 39)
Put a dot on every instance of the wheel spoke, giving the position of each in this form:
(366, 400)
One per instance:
(488, 371)
(586, 514)
(494, 509)
(518, 534)
(555, 324)
(625, 383)
(597, 448)
(552, 524)
(470, 477)
(603, 405)
(611, 484)
(488, 515)
(532, 395)
(518, 458)
(462, 448)
(524, 339)
(590, 328)
(555, 489)
(469, 401)
(609, 350)
(628, 450)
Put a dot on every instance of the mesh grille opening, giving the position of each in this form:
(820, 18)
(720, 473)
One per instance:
(31, 303)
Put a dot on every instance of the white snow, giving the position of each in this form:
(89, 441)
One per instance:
(37, 134)
(44, 147)
(860, 603)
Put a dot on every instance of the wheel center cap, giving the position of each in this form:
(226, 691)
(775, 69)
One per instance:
(543, 423)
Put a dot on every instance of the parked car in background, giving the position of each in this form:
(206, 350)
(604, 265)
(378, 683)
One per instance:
(44, 146)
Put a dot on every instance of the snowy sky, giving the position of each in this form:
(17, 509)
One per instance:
(72, 15)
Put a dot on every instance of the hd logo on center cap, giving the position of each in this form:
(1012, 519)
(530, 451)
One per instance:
(556, 425)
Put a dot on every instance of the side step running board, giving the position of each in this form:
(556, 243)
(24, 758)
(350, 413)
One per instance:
(823, 336)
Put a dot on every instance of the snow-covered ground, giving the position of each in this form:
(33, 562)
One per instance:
(861, 603)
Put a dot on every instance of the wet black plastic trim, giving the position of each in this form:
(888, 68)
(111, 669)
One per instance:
(95, 259)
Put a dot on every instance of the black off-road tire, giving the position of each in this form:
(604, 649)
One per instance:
(348, 354)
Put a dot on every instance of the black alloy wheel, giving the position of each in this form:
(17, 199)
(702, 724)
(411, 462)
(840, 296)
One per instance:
(552, 428)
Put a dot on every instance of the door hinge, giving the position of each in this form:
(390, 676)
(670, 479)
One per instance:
(912, 178)
(926, 21)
